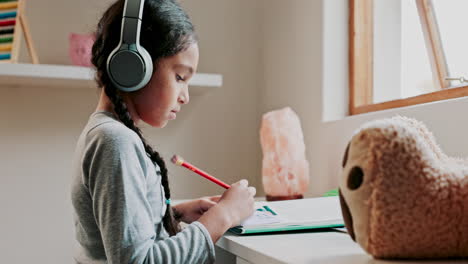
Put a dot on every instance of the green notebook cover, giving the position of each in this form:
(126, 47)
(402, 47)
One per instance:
(301, 214)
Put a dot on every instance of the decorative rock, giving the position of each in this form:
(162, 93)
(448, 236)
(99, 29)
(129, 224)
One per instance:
(285, 170)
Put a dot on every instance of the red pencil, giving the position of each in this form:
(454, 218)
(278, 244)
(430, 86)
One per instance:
(179, 161)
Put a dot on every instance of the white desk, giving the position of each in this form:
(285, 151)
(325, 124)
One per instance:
(300, 248)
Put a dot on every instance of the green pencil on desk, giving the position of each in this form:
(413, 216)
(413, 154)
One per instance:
(333, 192)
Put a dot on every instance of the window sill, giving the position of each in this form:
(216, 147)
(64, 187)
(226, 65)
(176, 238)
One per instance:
(420, 99)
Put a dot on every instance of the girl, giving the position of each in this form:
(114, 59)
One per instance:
(120, 188)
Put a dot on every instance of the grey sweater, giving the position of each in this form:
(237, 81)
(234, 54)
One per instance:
(118, 202)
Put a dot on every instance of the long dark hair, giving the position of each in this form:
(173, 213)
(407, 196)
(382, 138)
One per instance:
(165, 31)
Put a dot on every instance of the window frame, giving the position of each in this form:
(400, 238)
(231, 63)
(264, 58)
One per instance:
(361, 60)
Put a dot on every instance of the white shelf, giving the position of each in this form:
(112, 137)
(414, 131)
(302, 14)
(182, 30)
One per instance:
(64, 76)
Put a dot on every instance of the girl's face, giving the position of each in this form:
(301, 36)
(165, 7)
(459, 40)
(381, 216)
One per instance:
(167, 91)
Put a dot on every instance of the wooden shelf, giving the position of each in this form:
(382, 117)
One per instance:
(64, 76)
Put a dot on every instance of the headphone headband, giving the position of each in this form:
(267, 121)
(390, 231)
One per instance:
(131, 21)
(133, 9)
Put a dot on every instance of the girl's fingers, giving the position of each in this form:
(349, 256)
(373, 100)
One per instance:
(215, 198)
(244, 183)
(206, 204)
(252, 190)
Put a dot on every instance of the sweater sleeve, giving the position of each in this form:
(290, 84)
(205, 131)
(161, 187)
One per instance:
(117, 185)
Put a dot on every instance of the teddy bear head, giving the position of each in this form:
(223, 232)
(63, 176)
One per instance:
(400, 195)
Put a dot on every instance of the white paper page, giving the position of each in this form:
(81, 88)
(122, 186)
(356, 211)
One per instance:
(308, 210)
(262, 217)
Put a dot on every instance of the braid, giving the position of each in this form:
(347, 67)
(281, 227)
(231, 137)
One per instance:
(169, 220)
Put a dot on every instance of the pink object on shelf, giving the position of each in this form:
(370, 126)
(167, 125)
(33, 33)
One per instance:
(80, 46)
(285, 170)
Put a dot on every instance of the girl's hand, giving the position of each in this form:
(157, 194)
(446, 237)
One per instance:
(192, 210)
(238, 201)
(236, 204)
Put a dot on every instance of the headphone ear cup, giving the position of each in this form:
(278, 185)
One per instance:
(130, 69)
(148, 61)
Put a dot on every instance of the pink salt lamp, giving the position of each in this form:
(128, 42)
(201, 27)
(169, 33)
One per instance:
(80, 46)
(285, 170)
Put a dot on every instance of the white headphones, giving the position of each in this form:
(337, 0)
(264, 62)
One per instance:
(129, 65)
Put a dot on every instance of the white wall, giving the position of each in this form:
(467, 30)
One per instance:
(334, 58)
(39, 127)
(292, 65)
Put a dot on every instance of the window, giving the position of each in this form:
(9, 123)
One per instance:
(406, 52)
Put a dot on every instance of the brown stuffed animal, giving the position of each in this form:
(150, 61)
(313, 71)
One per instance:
(401, 196)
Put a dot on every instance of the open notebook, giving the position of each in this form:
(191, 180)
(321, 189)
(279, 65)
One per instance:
(310, 213)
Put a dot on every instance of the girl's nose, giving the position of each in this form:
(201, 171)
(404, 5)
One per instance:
(184, 97)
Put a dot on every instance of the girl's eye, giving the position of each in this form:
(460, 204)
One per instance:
(179, 78)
